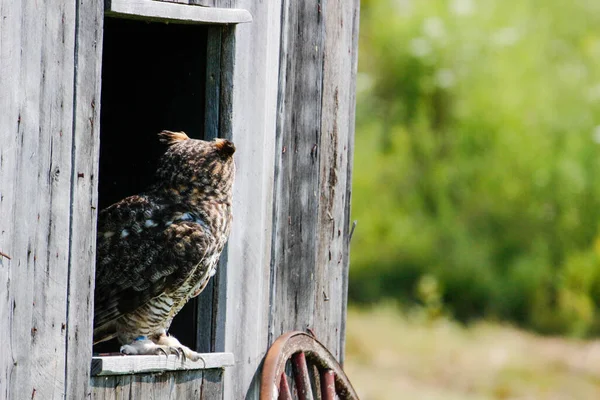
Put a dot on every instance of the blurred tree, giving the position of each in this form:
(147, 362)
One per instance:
(478, 158)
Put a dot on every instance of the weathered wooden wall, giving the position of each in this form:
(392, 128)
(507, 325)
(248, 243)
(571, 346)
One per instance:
(253, 124)
(180, 385)
(164, 378)
(49, 85)
(313, 168)
(290, 111)
(288, 257)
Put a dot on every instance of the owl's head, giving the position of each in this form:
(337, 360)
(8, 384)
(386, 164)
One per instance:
(208, 165)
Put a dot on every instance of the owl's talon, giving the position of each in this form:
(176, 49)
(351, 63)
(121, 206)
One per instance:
(182, 352)
(161, 350)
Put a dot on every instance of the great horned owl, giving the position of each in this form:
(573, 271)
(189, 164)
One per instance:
(158, 249)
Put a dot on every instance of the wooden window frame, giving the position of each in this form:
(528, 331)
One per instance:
(211, 306)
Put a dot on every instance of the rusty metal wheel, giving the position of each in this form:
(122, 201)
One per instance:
(298, 366)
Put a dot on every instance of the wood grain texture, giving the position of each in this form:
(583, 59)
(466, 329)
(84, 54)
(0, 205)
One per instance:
(125, 365)
(336, 148)
(84, 197)
(211, 304)
(212, 385)
(45, 205)
(313, 169)
(37, 69)
(297, 168)
(195, 384)
(252, 92)
(181, 13)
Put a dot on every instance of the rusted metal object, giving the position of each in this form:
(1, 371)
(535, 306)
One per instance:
(284, 388)
(305, 353)
(328, 385)
(301, 376)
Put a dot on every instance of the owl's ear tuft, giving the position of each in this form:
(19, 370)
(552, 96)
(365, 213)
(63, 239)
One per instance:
(170, 138)
(225, 147)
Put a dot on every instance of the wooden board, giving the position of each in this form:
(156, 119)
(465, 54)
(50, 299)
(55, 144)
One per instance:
(290, 48)
(36, 122)
(297, 169)
(314, 139)
(194, 384)
(174, 12)
(84, 197)
(252, 95)
(336, 148)
(47, 135)
(125, 365)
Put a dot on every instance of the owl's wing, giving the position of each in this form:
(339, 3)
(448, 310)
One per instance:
(142, 252)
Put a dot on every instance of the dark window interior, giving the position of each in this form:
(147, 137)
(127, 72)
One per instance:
(153, 78)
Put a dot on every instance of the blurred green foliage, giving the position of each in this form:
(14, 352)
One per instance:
(477, 159)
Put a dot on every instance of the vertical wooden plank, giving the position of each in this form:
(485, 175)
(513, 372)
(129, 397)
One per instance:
(189, 385)
(24, 184)
(10, 64)
(207, 302)
(213, 82)
(37, 49)
(112, 387)
(253, 91)
(297, 168)
(220, 281)
(84, 201)
(212, 386)
(192, 384)
(150, 386)
(50, 252)
(353, 13)
(314, 135)
(336, 147)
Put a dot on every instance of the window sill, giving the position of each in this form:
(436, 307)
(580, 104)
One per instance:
(128, 365)
(176, 12)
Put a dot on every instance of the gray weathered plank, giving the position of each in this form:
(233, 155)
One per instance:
(253, 91)
(12, 147)
(50, 249)
(10, 61)
(212, 385)
(313, 169)
(213, 83)
(352, 14)
(84, 200)
(297, 168)
(111, 387)
(35, 128)
(182, 13)
(124, 365)
(194, 384)
(336, 147)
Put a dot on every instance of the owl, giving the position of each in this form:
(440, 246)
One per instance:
(158, 249)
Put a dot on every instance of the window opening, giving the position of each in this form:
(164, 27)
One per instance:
(153, 78)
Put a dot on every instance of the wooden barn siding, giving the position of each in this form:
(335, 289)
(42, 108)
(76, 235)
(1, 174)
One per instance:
(313, 169)
(253, 122)
(340, 61)
(293, 82)
(45, 325)
(84, 200)
(180, 385)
